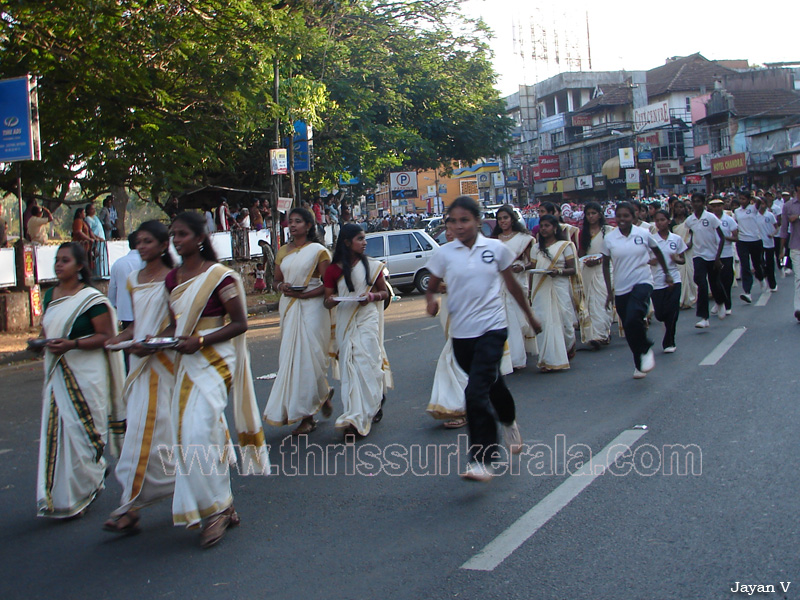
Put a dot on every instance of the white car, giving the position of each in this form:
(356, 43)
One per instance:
(490, 212)
(405, 252)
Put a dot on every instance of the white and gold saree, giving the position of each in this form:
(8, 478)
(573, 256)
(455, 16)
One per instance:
(146, 472)
(595, 293)
(521, 338)
(301, 385)
(360, 360)
(688, 286)
(203, 382)
(82, 407)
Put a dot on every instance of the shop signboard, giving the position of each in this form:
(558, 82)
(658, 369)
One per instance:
(584, 182)
(581, 120)
(729, 166)
(19, 121)
(549, 167)
(650, 116)
(626, 160)
(498, 180)
(279, 161)
(631, 175)
(668, 167)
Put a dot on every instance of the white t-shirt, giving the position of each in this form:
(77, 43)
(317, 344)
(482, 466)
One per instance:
(728, 225)
(473, 278)
(669, 247)
(777, 207)
(631, 256)
(749, 230)
(705, 239)
(766, 223)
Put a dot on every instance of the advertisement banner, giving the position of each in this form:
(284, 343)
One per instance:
(284, 204)
(303, 142)
(279, 161)
(483, 180)
(498, 180)
(549, 167)
(728, 166)
(584, 182)
(668, 167)
(650, 116)
(19, 136)
(626, 160)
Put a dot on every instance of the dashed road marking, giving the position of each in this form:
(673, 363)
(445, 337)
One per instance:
(717, 353)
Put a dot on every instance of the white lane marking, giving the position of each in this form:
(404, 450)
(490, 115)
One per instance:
(402, 335)
(523, 528)
(717, 353)
(5, 450)
(430, 327)
(762, 301)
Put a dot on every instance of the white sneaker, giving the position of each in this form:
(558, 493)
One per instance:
(729, 312)
(478, 472)
(669, 349)
(715, 309)
(637, 374)
(648, 361)
(720, 311)
(746, 298)
(702, 324)
(512, 438)
(773, 290)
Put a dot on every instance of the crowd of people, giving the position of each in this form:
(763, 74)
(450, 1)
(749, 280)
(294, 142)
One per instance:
(502, 300)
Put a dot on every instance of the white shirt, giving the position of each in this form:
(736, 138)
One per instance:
(777, 207)
(210, 225)
(473, 284)
(669, 247)
(631, 256)
(705, 239)
(117, 285)
(749, 230)
(767, 223)
(728, 225)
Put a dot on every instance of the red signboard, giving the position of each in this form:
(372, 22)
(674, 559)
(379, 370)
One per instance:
(694, 179)
(581, 120)
(548, 168)
(728, 166)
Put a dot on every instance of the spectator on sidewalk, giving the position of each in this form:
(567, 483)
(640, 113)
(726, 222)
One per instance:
(3, 229)
(37, 224)
(118, 292)
(108, 217)
(94, 222)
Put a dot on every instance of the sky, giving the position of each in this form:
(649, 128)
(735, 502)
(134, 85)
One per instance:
(636, 36)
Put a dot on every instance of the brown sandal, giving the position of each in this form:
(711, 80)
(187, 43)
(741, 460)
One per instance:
(214, 529)
(327, 406)
(455, 423)
(127, 523)
(305, 427)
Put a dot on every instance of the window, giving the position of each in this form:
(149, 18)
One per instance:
(403, 244)
(689, 105)
(375, 247)
(426, 245)
(557, 138)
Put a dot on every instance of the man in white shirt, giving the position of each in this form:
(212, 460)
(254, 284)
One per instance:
(749, 246)
(707, 240)
(730, 233)
(118, 283)
(38, 223)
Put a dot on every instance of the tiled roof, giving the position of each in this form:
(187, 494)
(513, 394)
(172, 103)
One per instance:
(614, 94)
(768, 103)
(685, 74)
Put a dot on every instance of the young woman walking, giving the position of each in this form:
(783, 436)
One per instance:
(474, 267)
(590, 264)
(667, 299)
(301, 388)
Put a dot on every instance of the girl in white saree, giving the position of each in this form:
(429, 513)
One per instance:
(360, 357)
(686, 270)
(591, 270)
(521, 338)
(145, 472)
(301, 387)
(556, 296)
(212, 363)
(82, 408)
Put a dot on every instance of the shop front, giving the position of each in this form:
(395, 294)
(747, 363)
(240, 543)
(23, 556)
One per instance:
(729, 173)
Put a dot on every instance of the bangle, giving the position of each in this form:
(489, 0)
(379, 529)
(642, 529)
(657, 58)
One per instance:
(202, 340)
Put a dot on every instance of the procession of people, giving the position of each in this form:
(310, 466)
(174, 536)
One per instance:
(502, 301)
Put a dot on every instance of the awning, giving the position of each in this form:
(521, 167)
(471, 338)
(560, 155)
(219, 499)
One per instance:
(611, 168)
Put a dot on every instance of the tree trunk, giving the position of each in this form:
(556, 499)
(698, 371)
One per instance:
(119, 199)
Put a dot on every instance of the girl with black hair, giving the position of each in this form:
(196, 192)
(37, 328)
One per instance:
(474, 267)
(571, 232)
(209, 318)
(666, 298)
(354, 284)
(590, 265)
(82, 408)
(301, 387)
(142, 470)
(556, 296)
(521, 338)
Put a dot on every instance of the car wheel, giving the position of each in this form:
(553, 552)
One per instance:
(422, 280)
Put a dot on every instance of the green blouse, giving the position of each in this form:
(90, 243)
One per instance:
(83, 324)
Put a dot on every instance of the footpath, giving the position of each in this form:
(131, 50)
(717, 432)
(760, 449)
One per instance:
(14, 346)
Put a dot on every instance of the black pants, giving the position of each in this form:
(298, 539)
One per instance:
(750, 252)
(667, 306)
(486, 395)
(632, 309)
(706, 275)
(769, 267)
(726, 279)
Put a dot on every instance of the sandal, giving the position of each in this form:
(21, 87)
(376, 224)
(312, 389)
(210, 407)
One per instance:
(327, 406)
(214, 529)
(305, 427)
(127, 523)
(455, 423)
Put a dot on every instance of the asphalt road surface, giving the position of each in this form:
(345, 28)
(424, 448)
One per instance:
(705, 500)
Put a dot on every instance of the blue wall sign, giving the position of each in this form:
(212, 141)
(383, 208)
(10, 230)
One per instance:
(19, 134)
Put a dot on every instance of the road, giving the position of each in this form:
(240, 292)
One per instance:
(381, 526)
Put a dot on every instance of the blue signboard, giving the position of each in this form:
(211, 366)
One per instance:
(19, 136)
(303, 146)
